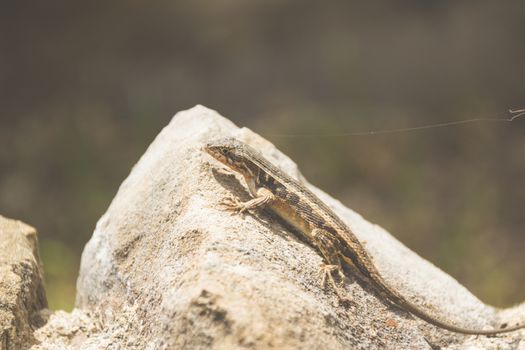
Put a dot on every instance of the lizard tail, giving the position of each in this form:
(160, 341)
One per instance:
(401, 302)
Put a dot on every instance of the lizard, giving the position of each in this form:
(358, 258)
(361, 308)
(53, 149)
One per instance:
(319, 226)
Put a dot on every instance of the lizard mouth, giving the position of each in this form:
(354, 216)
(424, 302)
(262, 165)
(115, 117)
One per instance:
(215, 153)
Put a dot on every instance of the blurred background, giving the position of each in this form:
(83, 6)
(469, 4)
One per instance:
(86, 86)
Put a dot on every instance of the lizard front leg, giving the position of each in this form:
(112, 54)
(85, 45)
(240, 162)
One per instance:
(264, 197)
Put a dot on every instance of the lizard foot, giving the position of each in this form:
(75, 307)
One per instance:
(233, 205)
(327, 274)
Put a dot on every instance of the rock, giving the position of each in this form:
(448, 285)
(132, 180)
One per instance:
(75, 330)
(22, 295)
(167, 268)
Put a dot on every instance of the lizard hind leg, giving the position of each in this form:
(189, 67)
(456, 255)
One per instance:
(324, 242)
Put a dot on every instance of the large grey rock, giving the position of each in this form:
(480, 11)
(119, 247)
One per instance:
(22, 294)
(166, 268)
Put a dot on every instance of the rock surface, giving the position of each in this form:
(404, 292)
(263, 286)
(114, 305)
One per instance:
(185, 274)
(166, 268)
(22, 295)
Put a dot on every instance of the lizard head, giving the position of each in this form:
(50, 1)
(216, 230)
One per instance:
(228, 151)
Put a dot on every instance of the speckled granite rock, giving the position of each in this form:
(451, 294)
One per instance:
(166, 268)
(22, 295)
(185, 274)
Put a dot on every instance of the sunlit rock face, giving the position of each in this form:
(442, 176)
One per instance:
(168, 268)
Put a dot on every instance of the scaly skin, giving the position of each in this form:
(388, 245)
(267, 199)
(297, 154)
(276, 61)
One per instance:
(318, 225)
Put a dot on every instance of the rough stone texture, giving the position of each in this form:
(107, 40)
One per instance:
(75, 330)
(21, 290)
(182, 273)
(166, 268)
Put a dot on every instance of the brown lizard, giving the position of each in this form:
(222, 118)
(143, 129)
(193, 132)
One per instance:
(318, 225)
